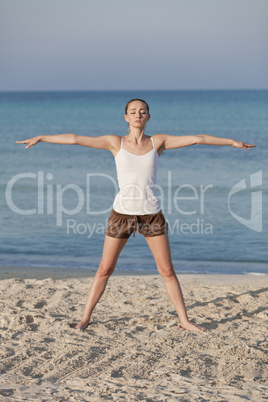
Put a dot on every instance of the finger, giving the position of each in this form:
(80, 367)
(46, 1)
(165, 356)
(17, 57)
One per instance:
(247, 146)
(28, 146)
(23, 142)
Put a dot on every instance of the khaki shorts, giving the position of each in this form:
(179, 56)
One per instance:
(121, 226)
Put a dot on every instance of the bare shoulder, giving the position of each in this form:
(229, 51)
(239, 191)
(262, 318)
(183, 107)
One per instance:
(159, 142)
(114, 140)
(114, 143)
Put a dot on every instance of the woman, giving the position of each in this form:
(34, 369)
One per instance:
(136, 206)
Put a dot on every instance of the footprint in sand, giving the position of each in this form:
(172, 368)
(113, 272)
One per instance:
(40, 304)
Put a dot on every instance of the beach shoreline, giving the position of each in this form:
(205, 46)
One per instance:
(44, 272)
(134, 348)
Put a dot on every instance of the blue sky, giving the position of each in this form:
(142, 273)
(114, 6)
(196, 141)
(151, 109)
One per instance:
(140, 44)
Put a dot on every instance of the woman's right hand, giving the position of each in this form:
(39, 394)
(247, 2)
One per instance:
(30, 141)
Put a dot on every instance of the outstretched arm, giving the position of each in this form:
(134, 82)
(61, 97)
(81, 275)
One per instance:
(210, 140)
(102, 142)
(166, 141)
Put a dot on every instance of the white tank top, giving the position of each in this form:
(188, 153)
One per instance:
(136, 176)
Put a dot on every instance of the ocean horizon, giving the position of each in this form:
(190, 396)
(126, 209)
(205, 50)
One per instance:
(56, 199)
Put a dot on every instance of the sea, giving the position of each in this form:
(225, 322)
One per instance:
(56, 199)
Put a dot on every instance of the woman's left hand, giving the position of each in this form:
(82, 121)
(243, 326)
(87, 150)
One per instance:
(238, 144)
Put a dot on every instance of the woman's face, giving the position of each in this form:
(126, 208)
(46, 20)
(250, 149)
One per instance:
(137, 114)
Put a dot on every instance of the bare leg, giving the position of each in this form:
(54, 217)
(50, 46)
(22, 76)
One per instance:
(160, 248)
(111, 251)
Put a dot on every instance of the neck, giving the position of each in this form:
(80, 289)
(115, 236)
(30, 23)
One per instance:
(136, 134)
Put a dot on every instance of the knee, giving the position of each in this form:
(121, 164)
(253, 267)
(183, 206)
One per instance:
(105, 270)
(167, 271)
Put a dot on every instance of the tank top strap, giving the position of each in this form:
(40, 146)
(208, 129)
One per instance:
(153, 142)
(122, 143)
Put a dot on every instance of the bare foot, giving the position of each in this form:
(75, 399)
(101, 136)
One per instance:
(192, 327)
(82, 325)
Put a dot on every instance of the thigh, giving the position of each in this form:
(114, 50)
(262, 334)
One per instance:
(160, 248)
(111, 250)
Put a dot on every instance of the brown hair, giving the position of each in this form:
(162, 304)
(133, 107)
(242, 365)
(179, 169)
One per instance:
(132, 100)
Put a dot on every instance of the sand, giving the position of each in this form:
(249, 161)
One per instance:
(134, 348)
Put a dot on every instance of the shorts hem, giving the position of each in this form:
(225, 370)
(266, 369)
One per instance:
(118, 237)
